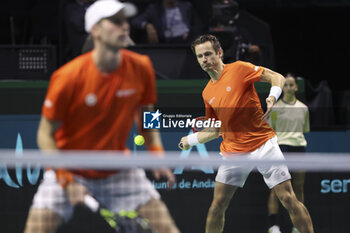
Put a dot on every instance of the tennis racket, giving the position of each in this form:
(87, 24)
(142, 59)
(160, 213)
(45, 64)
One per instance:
(197, 126)
(122, 222)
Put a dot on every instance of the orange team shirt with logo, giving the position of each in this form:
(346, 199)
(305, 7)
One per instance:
(96, 109)
(234, 100)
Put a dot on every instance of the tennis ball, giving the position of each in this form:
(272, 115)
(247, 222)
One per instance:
(139, 140)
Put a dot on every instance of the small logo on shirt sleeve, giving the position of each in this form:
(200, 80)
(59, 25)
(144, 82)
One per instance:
(211, 100)
(48, 103)
(91, 100)
(125, 92)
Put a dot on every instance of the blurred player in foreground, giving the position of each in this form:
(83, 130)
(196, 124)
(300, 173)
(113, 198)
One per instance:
(290, 120)
(230, 96)
(90, 105)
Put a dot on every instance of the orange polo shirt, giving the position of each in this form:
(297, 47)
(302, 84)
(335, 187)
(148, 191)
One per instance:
(96, 109)
(234, 100)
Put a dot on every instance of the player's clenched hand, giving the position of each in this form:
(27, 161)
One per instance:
(166, 173)
(76, 193)
(183, 144)
(270, 101)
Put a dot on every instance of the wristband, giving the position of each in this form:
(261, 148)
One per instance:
(193, 139)
(91, 203)
(275, 91)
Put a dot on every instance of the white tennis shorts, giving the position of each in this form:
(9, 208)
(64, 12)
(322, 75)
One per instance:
(126, 190)
(273, 175)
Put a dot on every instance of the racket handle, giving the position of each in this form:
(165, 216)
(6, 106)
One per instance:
(91, 203)
(181, 145)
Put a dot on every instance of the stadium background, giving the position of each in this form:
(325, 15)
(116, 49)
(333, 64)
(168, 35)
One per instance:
(309, 39)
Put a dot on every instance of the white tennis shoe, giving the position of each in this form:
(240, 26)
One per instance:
(274, 229)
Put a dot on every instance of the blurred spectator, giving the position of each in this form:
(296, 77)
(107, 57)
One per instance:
(169, 21)
(43, 22)
(242, 35)
(76, 35)
(204, 10)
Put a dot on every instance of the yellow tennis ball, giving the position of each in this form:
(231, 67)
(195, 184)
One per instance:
(139, 140)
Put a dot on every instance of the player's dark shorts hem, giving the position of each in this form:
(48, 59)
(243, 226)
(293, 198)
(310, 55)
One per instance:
(296, 149)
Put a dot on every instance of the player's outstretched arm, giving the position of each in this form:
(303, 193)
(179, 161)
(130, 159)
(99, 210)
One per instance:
(204, 136)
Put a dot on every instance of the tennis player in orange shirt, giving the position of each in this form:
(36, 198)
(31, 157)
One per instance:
(90, 105)
(230, 96)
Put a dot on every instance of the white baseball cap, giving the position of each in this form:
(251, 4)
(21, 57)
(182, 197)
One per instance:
(106, 8)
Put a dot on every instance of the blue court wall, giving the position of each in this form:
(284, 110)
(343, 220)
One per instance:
(26, 125)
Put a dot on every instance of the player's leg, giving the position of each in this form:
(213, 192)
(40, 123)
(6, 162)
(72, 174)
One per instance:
(158, 216)
(50, 205)
(297, 211)
(298, 185)
(42, 221)
(223, 194)
(228, 179)
(278, 178)
(272, 204)
(131, 190)
(272, 207)
(298, 176)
